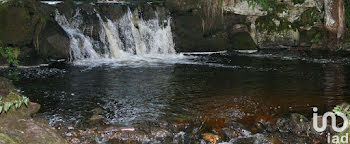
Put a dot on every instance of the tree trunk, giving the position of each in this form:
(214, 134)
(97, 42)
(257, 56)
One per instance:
(335, 17)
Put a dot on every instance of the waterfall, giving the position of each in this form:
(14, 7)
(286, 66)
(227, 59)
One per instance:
(126, 38)
(81, 46)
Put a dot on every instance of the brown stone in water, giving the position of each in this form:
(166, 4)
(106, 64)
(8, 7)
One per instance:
(209, 137)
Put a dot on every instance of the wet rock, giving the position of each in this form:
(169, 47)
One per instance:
(52, 41)
(234, 129)
(296, 123)
(209, 137)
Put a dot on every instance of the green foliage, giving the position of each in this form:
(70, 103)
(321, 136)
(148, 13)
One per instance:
(316, 38)
(343, 109)
(309, 17)
(267, 23)
(11, 54)
(16, 103)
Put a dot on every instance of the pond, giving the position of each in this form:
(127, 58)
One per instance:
(224, 86)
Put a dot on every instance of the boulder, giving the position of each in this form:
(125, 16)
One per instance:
(53, 42)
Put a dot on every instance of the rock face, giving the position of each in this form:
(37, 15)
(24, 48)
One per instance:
(276, 25)
(29, 25)
(52, 41)
(195, 32)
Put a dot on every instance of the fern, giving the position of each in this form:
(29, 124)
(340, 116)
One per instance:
(5, 106)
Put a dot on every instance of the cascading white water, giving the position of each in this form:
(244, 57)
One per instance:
(129, 37)
(81, 46)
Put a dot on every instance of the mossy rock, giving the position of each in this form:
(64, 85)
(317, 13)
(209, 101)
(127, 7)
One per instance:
(243, 41)
(23, 111)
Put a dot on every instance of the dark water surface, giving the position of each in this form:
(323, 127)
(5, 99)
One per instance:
(228, 86)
